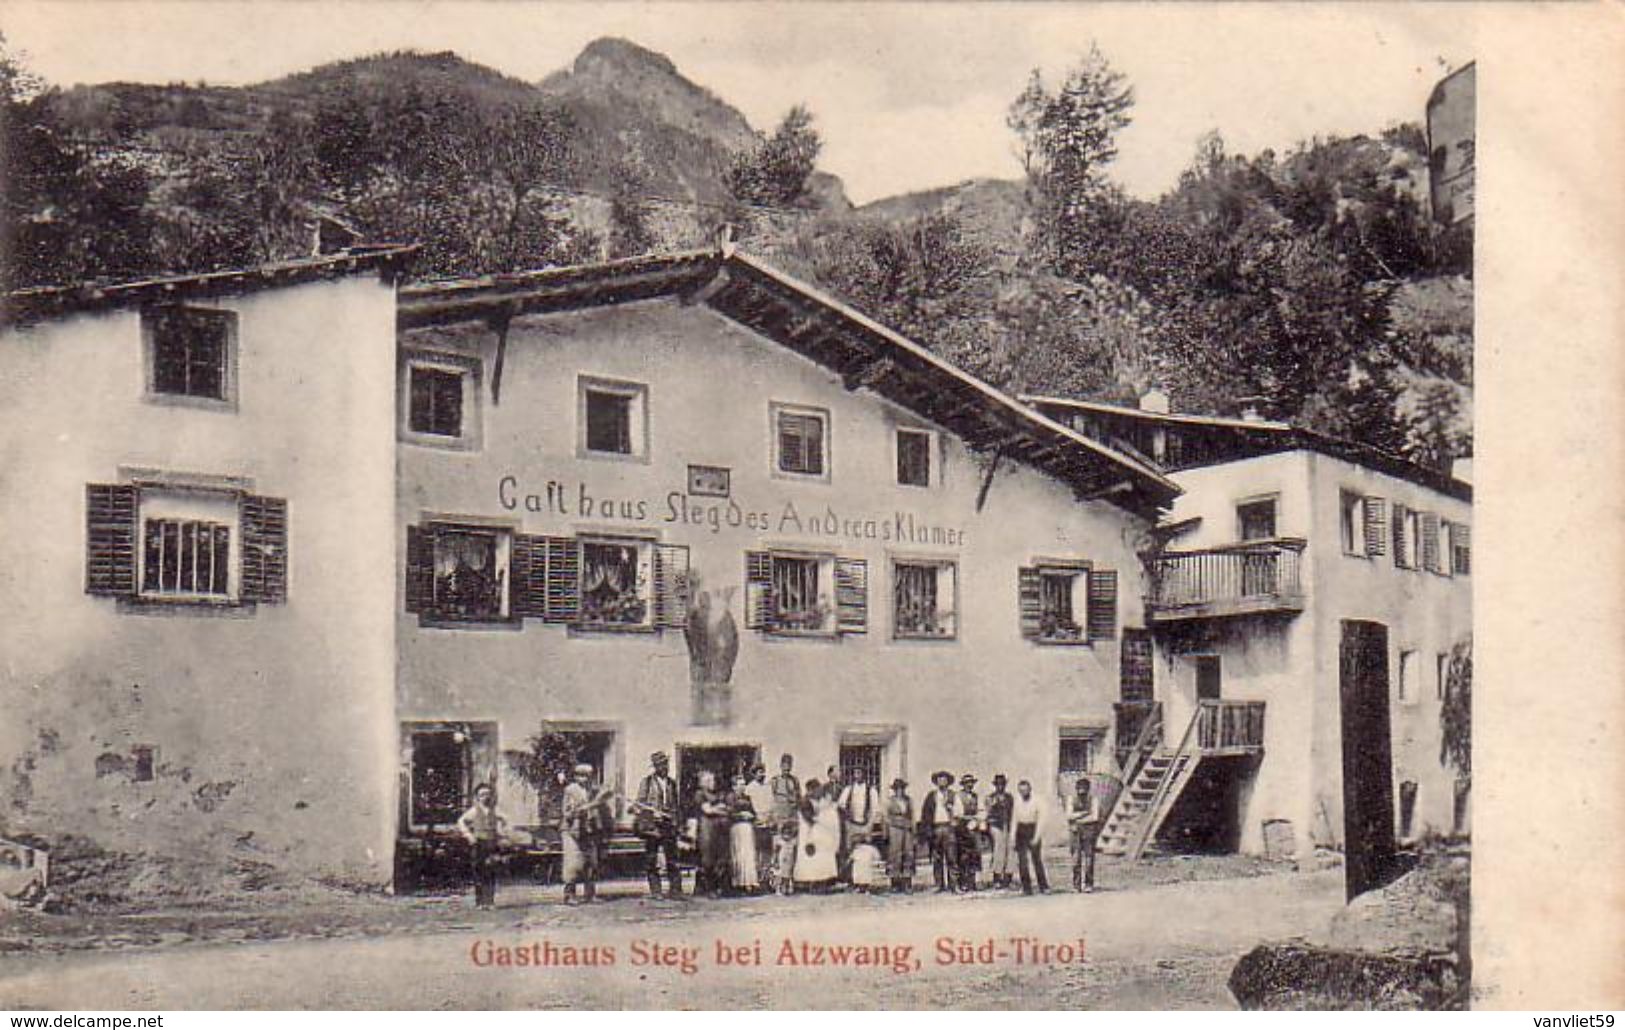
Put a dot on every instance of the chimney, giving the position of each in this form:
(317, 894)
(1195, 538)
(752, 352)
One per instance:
(1154, 401)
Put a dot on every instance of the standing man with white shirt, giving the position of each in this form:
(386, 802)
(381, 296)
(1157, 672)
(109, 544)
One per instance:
(1027, 816)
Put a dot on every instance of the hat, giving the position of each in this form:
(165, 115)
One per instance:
(659, 756)
(899, 782)
(999, 780)
(967, 779)
(942, 774)
(583, 767)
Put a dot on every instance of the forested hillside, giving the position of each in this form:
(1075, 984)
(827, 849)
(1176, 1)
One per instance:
(1308, 285)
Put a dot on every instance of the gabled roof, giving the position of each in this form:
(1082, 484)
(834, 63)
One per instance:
(804, 319)
(1238, 438)
(37, 304)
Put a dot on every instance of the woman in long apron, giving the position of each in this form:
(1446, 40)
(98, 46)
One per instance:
(742, 840)
(713, 837)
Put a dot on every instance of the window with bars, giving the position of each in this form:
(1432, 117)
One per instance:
(190, 353)
(914, 457)
(798, 601)
(186, 557)
(802, 443)
(798, 593)
(185, 544)
(924, 600)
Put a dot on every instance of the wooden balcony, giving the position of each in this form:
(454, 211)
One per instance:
(1237, 579)
(1230, 727)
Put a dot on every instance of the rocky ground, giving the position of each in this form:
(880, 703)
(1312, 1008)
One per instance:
(1160, 934)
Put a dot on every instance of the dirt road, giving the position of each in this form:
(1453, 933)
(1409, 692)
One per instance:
(1168, 946)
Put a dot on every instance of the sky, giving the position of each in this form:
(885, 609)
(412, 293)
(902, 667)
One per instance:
(907, 96)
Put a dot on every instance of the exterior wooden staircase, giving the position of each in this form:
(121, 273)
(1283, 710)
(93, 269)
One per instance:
(1155, 775)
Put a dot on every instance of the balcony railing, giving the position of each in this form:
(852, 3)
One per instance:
(1238, 579)
(1230, 726)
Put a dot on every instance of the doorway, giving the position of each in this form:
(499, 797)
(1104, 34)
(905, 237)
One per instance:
(724, 760)
(1368, 775)
(1208, 677)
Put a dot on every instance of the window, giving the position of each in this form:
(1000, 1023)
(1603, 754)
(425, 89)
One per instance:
(617, 579)
(1364, 524)
(143, 763)
(1461, 548)
(1441, 677)
(458, 573)
(468, 578)
(437, 401)
(1067, 602)
(798, 593)
(801, 438)
(185, 544)
(914, 457)
(925, 600)
(1409, 677)
(190, 353)
(1074, 758)
(613, 417)
(439, 398)
(1256, 519)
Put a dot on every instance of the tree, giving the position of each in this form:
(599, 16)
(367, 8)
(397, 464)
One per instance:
(1456, 712)
(776, 171)
(1065, 139)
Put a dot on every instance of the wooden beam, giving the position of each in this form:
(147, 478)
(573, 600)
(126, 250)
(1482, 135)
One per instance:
(987, 479)
(870, 374)
(499, 323)
(705, 291)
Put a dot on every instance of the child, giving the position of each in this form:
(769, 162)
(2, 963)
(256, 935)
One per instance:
(868, 868)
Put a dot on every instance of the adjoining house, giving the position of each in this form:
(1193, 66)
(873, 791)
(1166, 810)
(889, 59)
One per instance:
(687, 503)
(1305, 594)
(197, 575)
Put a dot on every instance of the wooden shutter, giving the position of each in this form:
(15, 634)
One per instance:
(419, 569)
(1461, 549)
(671, 586)
(760, 611)
(1030, 597)
(528, 575)
(563, 592)
(1376, 526)
(110, 531)
(1399, 536)
(1102, 604)
(1430, 541)
(851, 595)
(265, 549)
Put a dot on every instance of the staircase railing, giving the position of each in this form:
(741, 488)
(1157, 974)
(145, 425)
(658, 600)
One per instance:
(1145, 744)
(1148, 818)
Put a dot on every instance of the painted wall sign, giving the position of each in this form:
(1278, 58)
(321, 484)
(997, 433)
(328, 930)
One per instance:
(578, 500)
(709, 480)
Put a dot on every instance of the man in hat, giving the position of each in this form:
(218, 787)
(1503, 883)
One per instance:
(786, 799)
(861, 806)
(937, 814)
(655, 819)
(970, 825)
(900, 837)
(1000, 804)
(584, 830)
(484, 830)
(1083, 820)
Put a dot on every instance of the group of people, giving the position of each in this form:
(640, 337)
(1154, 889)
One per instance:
(759, 835)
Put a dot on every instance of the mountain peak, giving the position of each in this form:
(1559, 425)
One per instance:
(621, 54)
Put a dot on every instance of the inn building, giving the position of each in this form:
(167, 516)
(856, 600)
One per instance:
(1305, 596)
(687, 503)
